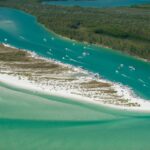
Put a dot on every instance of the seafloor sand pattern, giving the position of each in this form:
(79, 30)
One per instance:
(32, 121)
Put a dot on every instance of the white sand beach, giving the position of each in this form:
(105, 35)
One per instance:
(73, 90)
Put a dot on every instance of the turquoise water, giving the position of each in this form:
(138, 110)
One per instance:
(98, 3)
(22, 30)
(36, 121)
(30, 121)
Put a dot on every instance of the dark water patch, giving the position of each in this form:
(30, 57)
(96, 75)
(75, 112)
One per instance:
(96, 3)
(21, 123)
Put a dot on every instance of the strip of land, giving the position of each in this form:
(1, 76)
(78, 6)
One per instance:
(25, 69)
(126, 29)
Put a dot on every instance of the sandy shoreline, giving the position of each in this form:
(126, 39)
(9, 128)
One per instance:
(24, 83)
(94, 44)
(53, 89)
(99, 45)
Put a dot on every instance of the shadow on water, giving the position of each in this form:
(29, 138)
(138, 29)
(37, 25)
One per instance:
(50, 123)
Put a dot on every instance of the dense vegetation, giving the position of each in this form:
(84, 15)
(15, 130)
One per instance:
(125, 28)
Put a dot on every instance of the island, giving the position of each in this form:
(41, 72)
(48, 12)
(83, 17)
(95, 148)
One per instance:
(125, 29)
(33, 72)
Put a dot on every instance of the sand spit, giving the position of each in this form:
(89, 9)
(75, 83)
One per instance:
(27, 70)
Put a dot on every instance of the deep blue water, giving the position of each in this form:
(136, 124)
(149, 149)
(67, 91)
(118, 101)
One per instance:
(22, 30)
(97, 3)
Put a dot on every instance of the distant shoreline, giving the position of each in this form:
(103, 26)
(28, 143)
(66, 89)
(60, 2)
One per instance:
(112, 28)
(97, 45)
(76, 4)
(101, 46)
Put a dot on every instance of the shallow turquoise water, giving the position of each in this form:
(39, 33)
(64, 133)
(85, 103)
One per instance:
(35, 121)
(98, 3)
(22, 30)
(30, 120)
